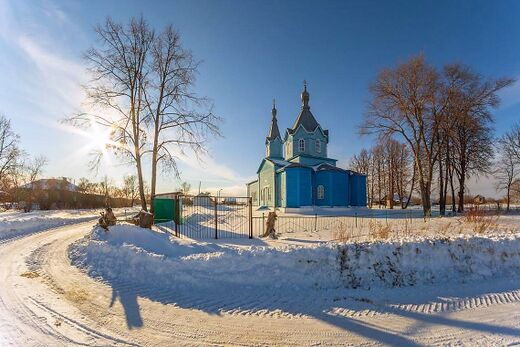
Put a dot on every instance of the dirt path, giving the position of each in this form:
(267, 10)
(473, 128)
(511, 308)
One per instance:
(44, 300)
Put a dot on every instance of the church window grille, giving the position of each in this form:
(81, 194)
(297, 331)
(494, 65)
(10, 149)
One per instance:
(318, 146)
(301, 145)
(321, 192)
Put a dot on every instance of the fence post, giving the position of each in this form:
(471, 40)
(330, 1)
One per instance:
(263, 224)
(250, 202)
(315, 221)
(355, 215)
(176, 215)
(216, 219)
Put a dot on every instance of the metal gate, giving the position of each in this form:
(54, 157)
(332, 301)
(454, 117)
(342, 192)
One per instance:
(204, 216)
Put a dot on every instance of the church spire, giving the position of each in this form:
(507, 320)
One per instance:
(274, 132)
(305, 96)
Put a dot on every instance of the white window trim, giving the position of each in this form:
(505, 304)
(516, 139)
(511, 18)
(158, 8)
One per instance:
(301, 145)
(318, 146)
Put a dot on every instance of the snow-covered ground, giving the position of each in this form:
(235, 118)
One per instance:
(80, 285)
(17, 223)
(134, 255)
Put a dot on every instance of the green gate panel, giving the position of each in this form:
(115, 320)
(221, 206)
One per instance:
(164, 210)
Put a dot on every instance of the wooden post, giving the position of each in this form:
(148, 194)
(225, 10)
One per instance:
(315, 221)
(355, 214)
(250, 202)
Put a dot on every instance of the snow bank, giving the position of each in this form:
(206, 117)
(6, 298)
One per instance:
(429, 261)
(141, 256)
(16, 223)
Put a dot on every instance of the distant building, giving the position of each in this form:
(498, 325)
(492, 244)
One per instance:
(202, 200)
(58, 193)
(60, 184)
(296, 171)
(479, 199)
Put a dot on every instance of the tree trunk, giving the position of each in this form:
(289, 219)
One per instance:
(452, 187)
(154, 163)
(411, 189)
(426, 202)
(461, 193)
(508, 197)
(142, 195)
(442, 197)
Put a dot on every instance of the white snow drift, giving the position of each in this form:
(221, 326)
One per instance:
(17, 223)
(140, 256)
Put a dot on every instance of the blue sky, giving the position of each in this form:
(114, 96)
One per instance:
(253, 51)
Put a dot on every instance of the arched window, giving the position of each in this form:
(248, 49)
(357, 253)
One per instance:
(301, 145)
(320, 192)
(318, 146)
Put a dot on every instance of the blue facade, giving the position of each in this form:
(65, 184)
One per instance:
(358, 189)
(335, 188)
(296, 171)
(298, 187)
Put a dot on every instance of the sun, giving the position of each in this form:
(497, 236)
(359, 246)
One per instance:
(98, 139)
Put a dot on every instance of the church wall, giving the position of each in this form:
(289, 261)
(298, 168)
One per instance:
(278, 190)
(252, 192)
(358, 189)
(266, 178)
(298, 187)
(335, 184)
(310, 143)
(274, 149)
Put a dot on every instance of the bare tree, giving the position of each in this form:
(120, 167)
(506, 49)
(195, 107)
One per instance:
(406, 102)
(10, 152)
(180, 119)
(470, 99)
(33, 169)
(507, 168)
(119, 70)
(361, 163)
(184, 188)
(131, 188)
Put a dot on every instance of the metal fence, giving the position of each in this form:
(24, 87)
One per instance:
(356, 225)
(204, 217)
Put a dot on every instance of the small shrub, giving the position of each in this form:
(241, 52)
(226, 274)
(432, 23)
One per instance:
(379, 230)
(341, 233)
(479, 220)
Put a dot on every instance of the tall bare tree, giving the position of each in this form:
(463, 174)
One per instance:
(10, 152)
(119, 70)
(406, 102)
(507, 168)
(180, 119)
(470, 99)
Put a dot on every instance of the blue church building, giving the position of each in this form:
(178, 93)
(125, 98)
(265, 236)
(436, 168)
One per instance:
(296, 171)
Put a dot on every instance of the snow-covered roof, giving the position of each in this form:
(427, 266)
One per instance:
(52, 183)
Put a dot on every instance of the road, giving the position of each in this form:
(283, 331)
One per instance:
(46, 301)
